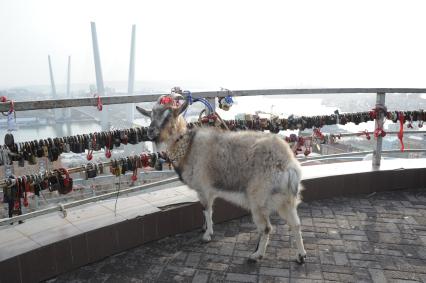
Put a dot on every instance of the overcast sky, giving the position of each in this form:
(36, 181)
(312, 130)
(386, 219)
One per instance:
(235, 44)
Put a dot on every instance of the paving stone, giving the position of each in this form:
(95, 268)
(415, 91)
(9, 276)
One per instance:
(217, 277)
(395, 274)
(201, 276)
(274, 271)
(238, 277)
(214, 266)
(326, 258)
(349, 240)
(193, 259)
(355, 238)
(365, 263)
(341, 258)
(347, 278)
(244, 268)
(377, 275)
(331, 276)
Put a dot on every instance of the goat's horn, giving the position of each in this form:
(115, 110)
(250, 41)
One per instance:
(183, 107)
(178, 96)
(144, 112)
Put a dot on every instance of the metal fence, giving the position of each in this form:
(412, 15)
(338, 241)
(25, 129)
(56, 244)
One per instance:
(119, 98)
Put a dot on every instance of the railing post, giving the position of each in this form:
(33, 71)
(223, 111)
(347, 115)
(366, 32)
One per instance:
(380, 118)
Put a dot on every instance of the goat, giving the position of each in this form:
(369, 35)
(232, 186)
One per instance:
(256, 171)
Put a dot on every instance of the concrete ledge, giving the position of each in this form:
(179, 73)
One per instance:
(48, 261)
(53, 259)
(363, 183)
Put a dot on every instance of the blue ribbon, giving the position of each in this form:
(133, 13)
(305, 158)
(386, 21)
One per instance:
(191, 100)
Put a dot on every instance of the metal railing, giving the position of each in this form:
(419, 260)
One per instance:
(120, 98)
(64, 207)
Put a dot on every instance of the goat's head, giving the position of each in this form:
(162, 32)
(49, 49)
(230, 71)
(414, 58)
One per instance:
(165, 117)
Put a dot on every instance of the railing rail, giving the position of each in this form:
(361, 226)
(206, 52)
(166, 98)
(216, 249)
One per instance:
(122, 98)
(355, 153)
(63, 207)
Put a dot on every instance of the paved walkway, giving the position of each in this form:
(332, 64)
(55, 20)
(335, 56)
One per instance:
(361, 239)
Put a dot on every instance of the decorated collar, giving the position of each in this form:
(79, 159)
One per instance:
(180, 147)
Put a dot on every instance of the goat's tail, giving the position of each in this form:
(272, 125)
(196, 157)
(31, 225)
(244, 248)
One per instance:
(294, 186)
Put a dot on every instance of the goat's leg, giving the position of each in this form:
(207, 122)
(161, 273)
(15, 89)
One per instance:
(289, 213)
(207, 203)
(264, 227)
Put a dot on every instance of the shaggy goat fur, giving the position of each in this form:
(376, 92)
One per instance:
(257, 171)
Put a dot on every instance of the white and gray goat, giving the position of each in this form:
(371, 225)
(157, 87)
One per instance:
(257, 171)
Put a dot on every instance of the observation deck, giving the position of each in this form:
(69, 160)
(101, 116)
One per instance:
(362, 238)
(361, 220)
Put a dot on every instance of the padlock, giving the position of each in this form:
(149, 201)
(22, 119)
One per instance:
(124, 167)
(118, 170)
(91, 170)
(9, 140)
(66, 183)
(54, 182)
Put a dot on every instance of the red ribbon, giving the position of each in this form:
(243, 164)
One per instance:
(166, 100)
(12, 107)
(17, 203)
(135, 175)
(107, 147)
(99, 106)
(90, 151)
(401, 129)
(12, 104)
(366, 133)
(27, 190)
(318, 134)
(379, 132)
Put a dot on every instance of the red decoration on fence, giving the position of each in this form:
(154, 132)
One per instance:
(99, 106)
(379, 132)
(401, 129)
(366, 133)
(145, 160)
(318, 134)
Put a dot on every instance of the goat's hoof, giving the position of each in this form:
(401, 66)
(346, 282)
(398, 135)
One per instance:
(301, 259)
(254, 258)
(251, 260)
(207, 238)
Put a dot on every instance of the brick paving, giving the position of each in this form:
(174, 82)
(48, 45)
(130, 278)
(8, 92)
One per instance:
(379, 238)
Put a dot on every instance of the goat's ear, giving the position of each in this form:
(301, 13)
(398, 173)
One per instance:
(144, 112)
(179, 110)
